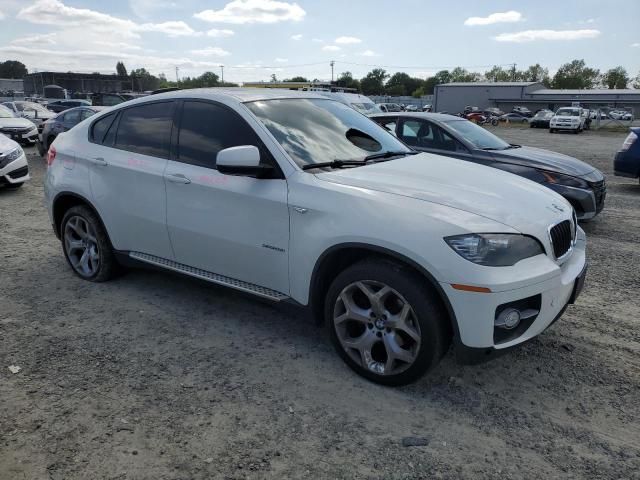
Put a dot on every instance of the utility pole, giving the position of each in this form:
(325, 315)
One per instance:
(513, 73)
(332, 63)
(177, 78)
(222, 73)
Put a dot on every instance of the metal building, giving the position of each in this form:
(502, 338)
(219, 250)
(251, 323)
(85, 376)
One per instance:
(454, 97)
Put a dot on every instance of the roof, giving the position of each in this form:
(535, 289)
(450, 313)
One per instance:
(487, 84)
(600, 91)
(438, 117)
(238, 93)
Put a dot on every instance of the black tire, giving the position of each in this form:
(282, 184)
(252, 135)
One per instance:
(13, 186)
(551, 130)
(432, 320)
(108, 266)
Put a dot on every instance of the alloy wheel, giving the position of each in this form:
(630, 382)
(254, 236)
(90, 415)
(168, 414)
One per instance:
(377, 327)
(81, 246)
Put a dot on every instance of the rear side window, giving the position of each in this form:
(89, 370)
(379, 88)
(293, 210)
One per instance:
(72, 117)
(206, 128)
(100, 128)
(146, 129)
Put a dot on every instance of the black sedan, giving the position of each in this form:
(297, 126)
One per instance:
(62, 105)
(541, 119)
(581, 184)
(61, 123)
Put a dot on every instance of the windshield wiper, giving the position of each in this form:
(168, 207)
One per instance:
(389, 154)
(334, 164)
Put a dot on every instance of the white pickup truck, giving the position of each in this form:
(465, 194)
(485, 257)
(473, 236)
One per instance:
(568, 118)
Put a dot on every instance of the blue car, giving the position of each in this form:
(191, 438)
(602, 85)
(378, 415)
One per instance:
(627, 161)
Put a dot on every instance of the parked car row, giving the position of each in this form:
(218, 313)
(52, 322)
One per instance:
(400, 249)
(400, 107)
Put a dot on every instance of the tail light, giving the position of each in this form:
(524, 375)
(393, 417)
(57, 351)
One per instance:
(632, 137)
(51, 155)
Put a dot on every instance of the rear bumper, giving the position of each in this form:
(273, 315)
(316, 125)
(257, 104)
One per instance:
(626, 164)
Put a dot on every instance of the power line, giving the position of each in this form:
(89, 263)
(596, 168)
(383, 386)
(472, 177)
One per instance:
(430, 67)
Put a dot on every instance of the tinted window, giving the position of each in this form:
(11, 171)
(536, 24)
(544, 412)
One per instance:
(206, 128)
(444, 141)
(86, 113)
(146, 129)
(418, 133)
(477, 135)
(72, 117)
(101, 127)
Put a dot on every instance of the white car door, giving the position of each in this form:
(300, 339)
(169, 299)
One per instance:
(236, 226)
(127, 161)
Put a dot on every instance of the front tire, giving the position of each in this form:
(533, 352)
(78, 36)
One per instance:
(386, 322)
(86, 245)
(14, 186)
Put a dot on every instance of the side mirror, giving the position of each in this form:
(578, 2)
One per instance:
(243, 160)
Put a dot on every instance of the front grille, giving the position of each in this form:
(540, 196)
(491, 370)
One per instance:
(15, 131)
(561, 238)
(19, 173)
(600, 192)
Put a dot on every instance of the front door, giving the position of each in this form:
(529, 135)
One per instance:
(235, 226)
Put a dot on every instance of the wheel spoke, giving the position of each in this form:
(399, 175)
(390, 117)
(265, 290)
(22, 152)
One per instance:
(396, 352)
(73, 245)
(84, 262)
(352, 311)
(363, 344)
(401, 322)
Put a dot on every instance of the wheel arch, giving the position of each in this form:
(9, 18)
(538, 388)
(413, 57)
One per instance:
(63, 201)
(338, 257)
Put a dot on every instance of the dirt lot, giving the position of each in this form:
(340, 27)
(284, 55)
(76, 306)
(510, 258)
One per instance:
(155, 376)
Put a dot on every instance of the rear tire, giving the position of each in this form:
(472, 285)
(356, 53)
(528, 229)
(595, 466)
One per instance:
(14, 186)
(86, 245)
(386, 322)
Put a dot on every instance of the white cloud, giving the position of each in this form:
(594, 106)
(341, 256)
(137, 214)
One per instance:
(331, 48)
(317, 40)
(254, 11)
(56, 13)
(282, 60)
(211, 52)
(635, 45)
(499, 17)
(216, 33)
(369, 53)
(297, 36)
(40, 39)
(347, 40)
(535, 35)
(146, 8)
(118, 45)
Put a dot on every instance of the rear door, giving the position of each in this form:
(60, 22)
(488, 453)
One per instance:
(127, 164)
(235, 226)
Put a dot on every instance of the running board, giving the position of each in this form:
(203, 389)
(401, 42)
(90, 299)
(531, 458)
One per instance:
(209, 276)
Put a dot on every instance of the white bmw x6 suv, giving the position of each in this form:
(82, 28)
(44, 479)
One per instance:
(295, 197)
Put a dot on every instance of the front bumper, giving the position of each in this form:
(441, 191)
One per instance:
(564, 126)
(627, 164)
(475, 312)
(587, 202)
(22, 136)
(15, 172)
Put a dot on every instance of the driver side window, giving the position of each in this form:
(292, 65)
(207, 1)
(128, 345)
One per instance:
(444, 141)
(417, 133)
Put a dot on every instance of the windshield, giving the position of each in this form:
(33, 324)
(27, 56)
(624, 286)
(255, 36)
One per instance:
(316, 130)
(22, 106)
(568, 112)
(543, 114)
(5, 112)
(366, 108)
(477, 135)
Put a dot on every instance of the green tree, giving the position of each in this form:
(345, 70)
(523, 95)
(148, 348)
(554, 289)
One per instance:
(576, 75)
(497, 74)
(536, 73)
(346, 80)
(616, 78)
(12, 69)
(460, 74)
(401, 83)
(143, 80)
(274, 78)
(373, 82)
(443, 76)
(121, 69)
(418, 92)
(295, 79)
(636, 82)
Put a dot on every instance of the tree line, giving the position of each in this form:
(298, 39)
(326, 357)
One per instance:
(572, 75)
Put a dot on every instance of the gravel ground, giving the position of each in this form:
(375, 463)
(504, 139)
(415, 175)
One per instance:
(155, 376)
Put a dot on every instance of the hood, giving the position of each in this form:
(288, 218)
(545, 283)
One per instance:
(16, 122)
(544, 160)
(484, 191)
(6, 144)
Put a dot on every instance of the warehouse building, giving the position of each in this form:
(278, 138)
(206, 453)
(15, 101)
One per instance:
(35, 83)
(454, 97)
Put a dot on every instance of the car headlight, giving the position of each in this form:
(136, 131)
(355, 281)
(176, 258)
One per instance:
(543, 176)
(495, 249)
(10, 157)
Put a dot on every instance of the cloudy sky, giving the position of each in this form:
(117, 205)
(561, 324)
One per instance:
(255, 38)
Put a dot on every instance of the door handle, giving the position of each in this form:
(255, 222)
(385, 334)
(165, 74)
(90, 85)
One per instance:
(98, 161)
(177, 178)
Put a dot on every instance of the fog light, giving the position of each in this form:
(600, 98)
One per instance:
(508, 319)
